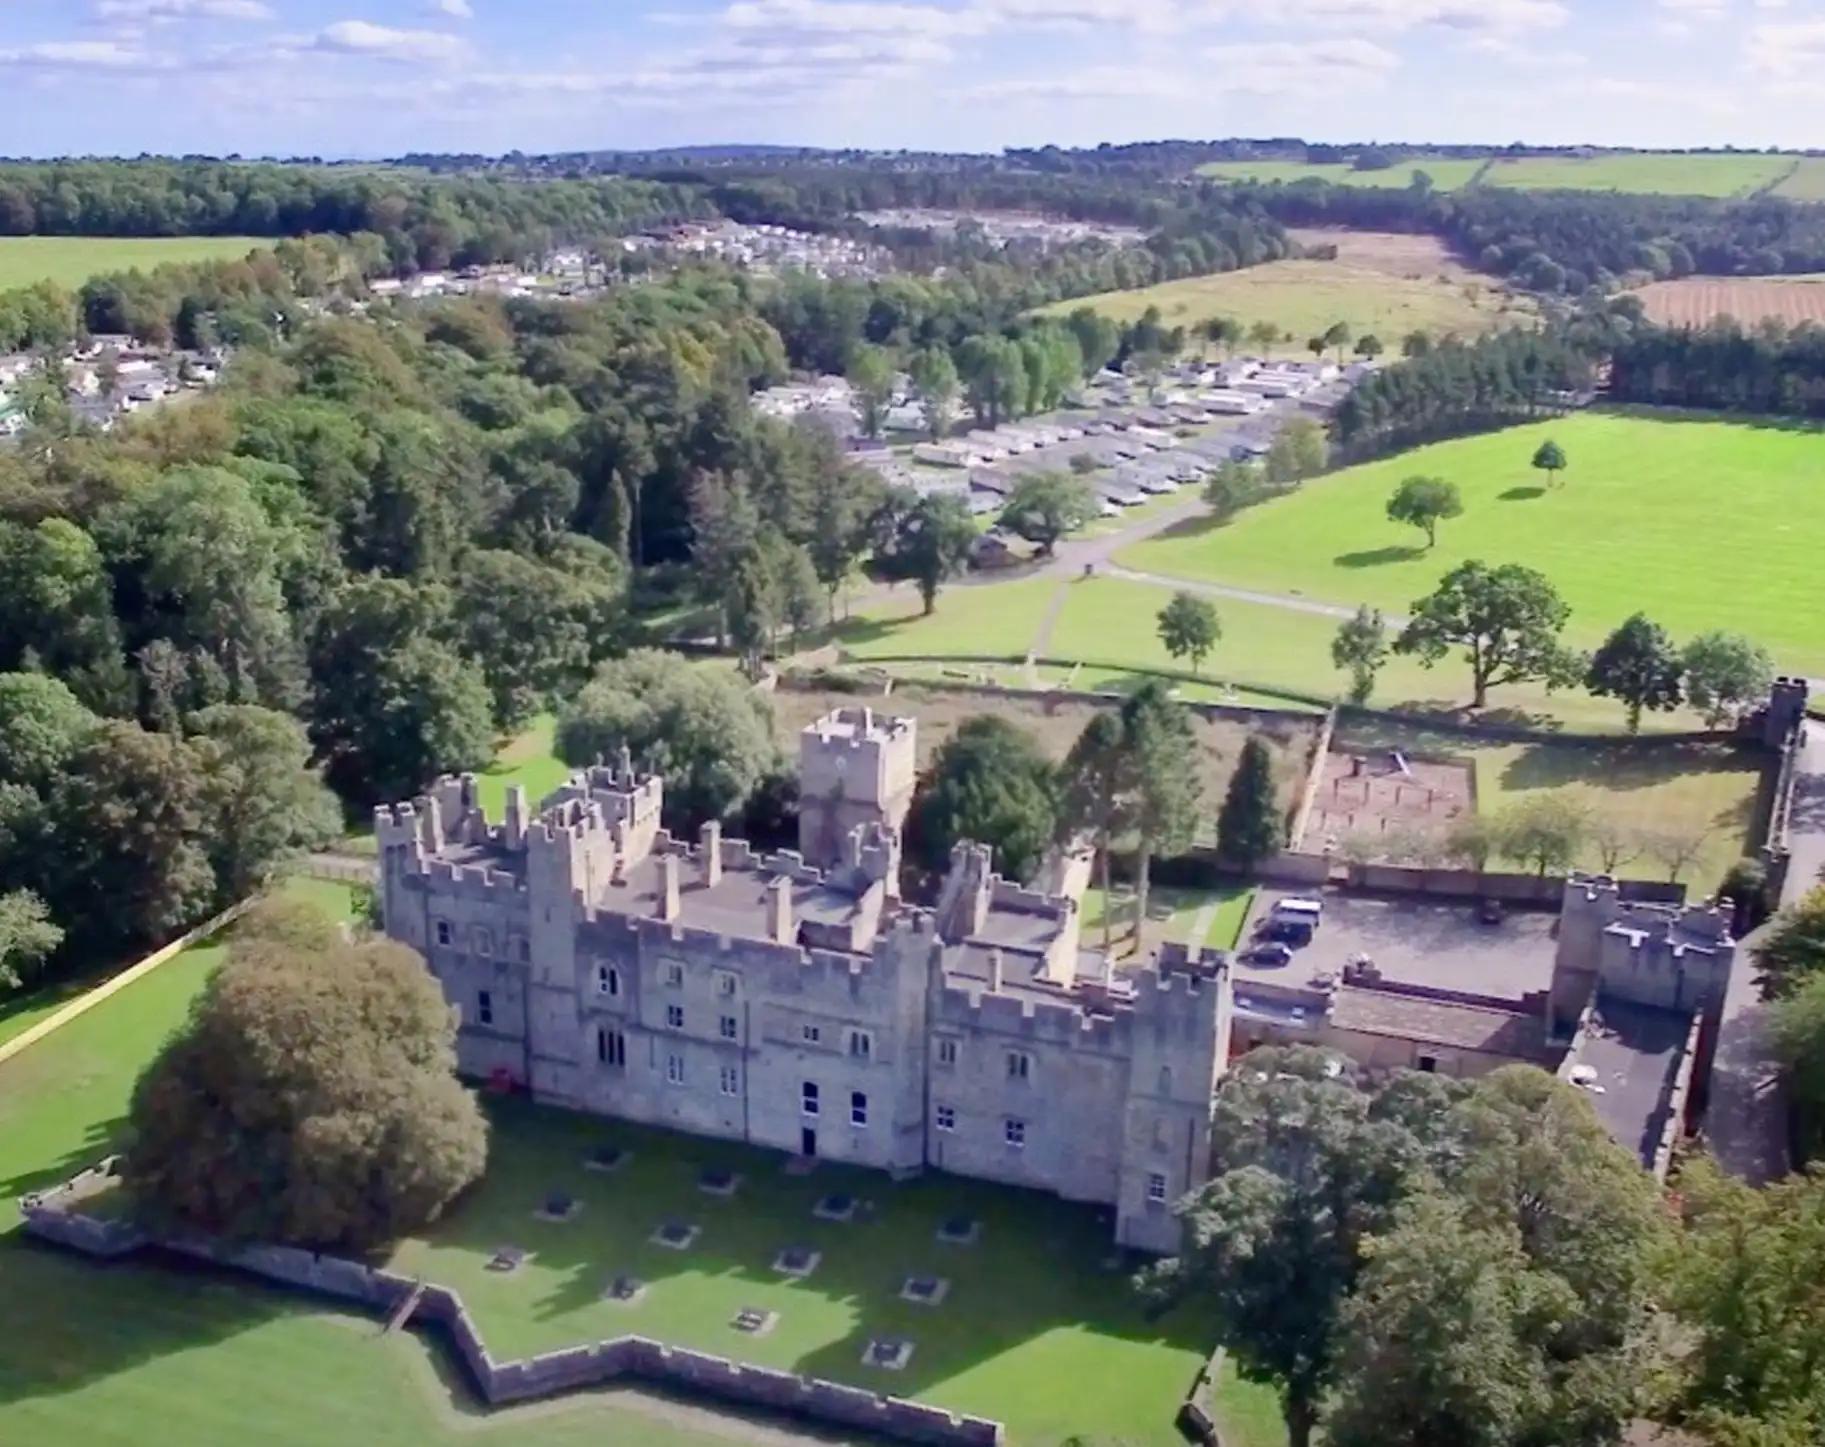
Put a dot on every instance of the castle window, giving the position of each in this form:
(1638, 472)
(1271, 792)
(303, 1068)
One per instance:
(674, 1069)
(1020, 1065)
(1428, 1063)
(674, 1016)
(674, 976)
(1156, 1189)
(608, 980)
(611, 1048)
(858, 1108)
(947, 1050)
(731, 1080)
(725, 983)
(810, 1034)
(807, 1098)
(484, 1008)
(946, 1117)
(730, 1025)
(525, 950)
(484, 943)
(1014, 1132)
(861, 1044)
(443, 931)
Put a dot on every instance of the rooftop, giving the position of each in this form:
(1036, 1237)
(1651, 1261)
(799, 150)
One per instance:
(1635, 1051)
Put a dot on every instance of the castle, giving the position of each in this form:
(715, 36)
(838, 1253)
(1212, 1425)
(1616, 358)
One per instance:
(795, 1001)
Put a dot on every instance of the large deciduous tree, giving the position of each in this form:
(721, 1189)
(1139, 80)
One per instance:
(929, 544)
(1549, 458)
(1793, 952)
(1726, 676)
(936, 384)
(871, 376)
(1099, 778)
(1639, 665)
(1425, 502)
(1167, 785)
(261, 798)
(27, 937)
(706, 732)
(989, 783)
(1189, 628)
(1507, 619)
(311, 1099)
(1043, 507)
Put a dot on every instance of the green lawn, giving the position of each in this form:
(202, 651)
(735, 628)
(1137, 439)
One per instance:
(1040, 1330)
(1173, 914)
(1305, 297)
(1447, 174)
(72, 260)
(1701, 524)
(130, 1353)
(1664, 173)
(990, 620)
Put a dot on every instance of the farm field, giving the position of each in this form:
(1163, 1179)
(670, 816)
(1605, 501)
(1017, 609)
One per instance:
(1646, 173)
(1807, 183)
(1447, 174)
(1701, 524)
(71, 260)
(1304, 297)
(1691, 301)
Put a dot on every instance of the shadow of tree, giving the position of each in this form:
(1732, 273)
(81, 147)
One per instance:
(1377, 557)
(1520, 494)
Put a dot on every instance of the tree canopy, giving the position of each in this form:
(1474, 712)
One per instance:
(1507, 619)
(311, 1099)
(989, 783)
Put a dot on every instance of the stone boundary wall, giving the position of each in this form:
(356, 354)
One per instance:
(82, 1004)
(1314, 776)
(54, 1216)
(1520, 734)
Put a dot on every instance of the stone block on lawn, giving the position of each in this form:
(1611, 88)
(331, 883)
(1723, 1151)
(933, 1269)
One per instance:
(960, 1231)
(837, 1206)
(605, 1159)
(890, 1353)
(714, 1181)
(754, 1320)
(799, 1261)
(558, 1206)
(676, 1235)
(624, 1290)
(925, 1290)
(508, 1258)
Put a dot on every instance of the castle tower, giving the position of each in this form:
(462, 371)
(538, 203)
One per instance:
(855, 768)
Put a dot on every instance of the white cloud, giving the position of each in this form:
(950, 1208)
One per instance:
(153, 11)
(1506, 16)
(1785, 49)
(1155, 15)
(852, 17)
(75, 55)
(383, 42)
(454, 9)
(1311, 67)
(1102, 82)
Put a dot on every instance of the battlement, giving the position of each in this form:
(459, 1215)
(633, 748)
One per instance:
(1068, 1021)
(855, 767)
(1599, 898)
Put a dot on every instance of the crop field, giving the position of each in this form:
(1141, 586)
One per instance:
(1692, 301)
(1700, 524)
(1447, 174)
(1807, 183)
(1645, 173)
(1304, 297)
(71, 260)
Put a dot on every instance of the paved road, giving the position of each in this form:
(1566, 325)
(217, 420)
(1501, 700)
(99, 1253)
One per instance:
(1806, 824)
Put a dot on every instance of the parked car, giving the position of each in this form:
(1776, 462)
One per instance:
(1271, 953)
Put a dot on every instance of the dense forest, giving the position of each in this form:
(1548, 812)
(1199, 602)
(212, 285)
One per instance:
(425, 222)
(1767, 369)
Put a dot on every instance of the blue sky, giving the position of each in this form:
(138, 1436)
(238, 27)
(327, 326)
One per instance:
(377, 77)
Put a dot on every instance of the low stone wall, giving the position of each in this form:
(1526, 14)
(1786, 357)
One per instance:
(53, 1216)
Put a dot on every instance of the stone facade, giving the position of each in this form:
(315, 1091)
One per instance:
(803, 1006)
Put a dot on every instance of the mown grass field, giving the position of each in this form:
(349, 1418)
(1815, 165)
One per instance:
(1040, 1328)
(1659, 173)
(1305, 297)
(71, 260)
(1807, 183)
(1701, 524)
(1447, 174)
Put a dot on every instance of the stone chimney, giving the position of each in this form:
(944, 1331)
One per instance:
(995, 972)
(516, 817)
(779, 910)
(668, 887)
(710, 841)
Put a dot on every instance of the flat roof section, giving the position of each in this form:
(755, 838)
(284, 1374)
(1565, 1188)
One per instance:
(1636, 1052)
(1442, 945)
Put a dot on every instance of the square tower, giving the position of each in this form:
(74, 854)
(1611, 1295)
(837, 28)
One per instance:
(855, 768)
